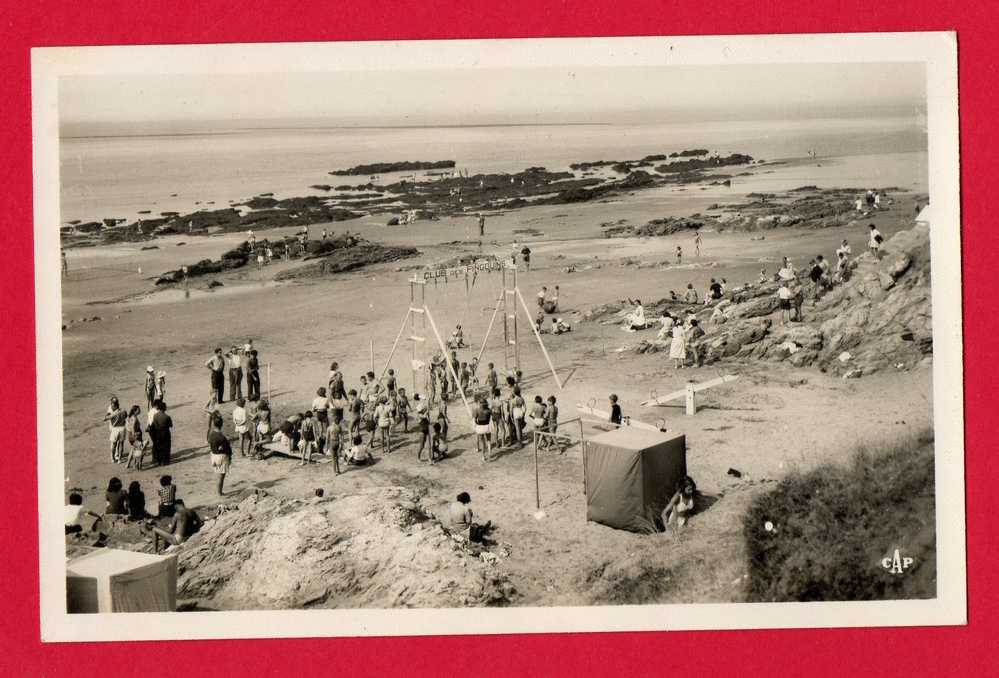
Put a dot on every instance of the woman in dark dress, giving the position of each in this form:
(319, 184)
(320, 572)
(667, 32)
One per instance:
(159, 434)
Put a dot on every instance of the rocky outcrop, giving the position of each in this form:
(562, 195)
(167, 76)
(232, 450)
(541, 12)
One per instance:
(346, 259)
(879, 319)
(403, 166)
(378, 548)
(697, 164)
(804, 207)
(352, 252)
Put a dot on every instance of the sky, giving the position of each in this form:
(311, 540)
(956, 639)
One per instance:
(635, 94)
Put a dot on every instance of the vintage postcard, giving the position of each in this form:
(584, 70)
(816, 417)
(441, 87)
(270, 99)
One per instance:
(586, 334)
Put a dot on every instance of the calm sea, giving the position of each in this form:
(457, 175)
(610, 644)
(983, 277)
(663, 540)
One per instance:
(121, 176)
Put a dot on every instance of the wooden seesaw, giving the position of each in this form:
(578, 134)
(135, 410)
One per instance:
(604, 418)
(689, 392)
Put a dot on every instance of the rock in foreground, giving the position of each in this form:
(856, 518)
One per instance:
(881, 318)
(379, 548)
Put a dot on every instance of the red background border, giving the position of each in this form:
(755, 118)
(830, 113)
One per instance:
(942, 651)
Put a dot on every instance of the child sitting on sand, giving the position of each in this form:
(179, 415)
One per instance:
(690, 294)
(168, 495)
(636, 319)
(359, 455)
(681, 505)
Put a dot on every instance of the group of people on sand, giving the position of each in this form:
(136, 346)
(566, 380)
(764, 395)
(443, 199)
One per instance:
(684, 334)
(237, 362)
(548, 305)
(501, 418)
(871, 201)
(173, 523)
(129, 442)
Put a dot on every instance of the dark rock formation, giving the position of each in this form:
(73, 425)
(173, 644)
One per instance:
(347, 259)
(403, 166)
(704, 163)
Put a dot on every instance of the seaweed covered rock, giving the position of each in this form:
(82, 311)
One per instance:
(400, 166)
(347, 259)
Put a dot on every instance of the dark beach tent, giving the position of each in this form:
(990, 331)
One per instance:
(629, 474)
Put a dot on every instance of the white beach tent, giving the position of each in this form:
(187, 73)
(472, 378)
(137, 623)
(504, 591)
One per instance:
(112, 580)
(925, 216)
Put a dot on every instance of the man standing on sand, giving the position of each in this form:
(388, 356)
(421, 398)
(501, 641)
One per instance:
(482, 224)
(252, 372)
(216, 365)
(526, 253)
(679, 255)
(697, 244)
(65, 264)
(235, 362)
(221, 453)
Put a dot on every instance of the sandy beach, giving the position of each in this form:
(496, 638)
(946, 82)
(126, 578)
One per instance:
(763, 425)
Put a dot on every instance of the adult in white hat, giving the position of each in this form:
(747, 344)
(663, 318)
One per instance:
(150, 387)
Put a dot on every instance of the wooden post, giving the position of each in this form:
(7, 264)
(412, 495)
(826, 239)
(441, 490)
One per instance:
(516, 335)
(506, 322)
(537, 475)
(395, 345)
(691, 405)
(485, 339)
(540, 342)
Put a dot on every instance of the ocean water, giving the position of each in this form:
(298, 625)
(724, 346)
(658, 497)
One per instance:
(117, 177)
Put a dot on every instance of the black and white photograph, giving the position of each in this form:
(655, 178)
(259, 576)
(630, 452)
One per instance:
(585, 334)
